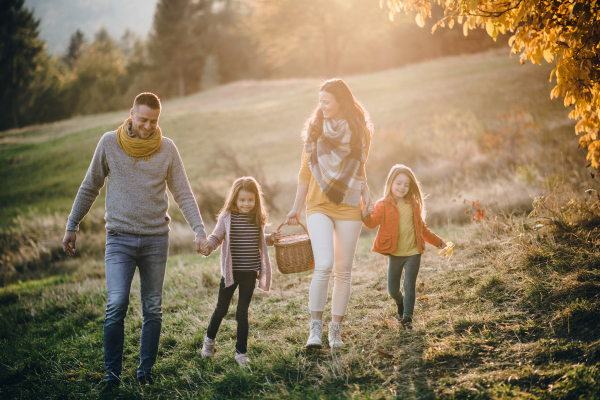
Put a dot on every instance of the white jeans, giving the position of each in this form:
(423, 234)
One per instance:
(333, 243)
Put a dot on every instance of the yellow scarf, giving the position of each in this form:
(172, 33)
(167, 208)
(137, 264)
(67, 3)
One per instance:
(137, 147)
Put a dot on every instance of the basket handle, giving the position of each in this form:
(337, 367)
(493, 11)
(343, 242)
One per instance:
(301, 224)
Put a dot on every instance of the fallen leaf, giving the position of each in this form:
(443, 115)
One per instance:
(385, 354)
(423, 298)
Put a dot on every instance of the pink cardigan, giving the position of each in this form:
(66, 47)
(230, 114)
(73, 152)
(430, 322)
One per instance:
(221, 235)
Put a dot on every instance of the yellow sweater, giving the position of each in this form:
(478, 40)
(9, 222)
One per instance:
(317, 201)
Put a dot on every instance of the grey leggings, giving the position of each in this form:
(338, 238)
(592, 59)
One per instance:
(410, 265)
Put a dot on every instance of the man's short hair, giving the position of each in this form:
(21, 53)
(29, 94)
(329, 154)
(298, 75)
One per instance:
(147, 99)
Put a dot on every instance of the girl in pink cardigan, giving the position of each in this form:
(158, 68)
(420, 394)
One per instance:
(244, 259)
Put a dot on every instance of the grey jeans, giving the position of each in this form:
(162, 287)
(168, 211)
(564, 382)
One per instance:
(410, 265)
(125, 251)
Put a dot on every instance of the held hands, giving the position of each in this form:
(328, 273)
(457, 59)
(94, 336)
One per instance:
(202, 246)
(69, 243)
(368, 210)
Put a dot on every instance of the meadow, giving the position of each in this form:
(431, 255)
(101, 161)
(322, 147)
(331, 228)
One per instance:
(513, 314)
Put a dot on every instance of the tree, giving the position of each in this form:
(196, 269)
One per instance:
(566, 32)
(177, 57)
(75, 49)
(320, 31)
(19, 50)
(99, 77)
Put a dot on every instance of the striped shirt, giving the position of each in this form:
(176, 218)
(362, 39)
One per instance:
(244, 236)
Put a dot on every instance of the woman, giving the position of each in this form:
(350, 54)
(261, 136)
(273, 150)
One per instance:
(332, 181)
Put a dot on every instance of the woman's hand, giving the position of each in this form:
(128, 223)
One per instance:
(293, 218)
(368, 210)
(442, 244)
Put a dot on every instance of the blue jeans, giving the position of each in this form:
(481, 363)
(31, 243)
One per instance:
(125, 251)
(411, 266)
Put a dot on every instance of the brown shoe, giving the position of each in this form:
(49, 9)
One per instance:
(406, 323)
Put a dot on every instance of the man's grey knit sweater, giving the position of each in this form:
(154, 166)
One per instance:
(136, 194)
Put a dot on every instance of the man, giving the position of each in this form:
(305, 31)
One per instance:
(140, 164)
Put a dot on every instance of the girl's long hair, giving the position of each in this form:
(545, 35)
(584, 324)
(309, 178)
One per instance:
(354, 113)
(415, 192)
(258, 214)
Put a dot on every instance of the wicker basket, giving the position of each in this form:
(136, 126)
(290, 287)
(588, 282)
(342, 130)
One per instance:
(294, 253)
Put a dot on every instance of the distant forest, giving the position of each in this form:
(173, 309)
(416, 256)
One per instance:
(198, 44)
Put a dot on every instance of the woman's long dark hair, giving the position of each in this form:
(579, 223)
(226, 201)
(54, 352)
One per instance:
(354, 113)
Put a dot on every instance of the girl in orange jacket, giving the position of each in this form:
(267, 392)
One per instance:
(402, 234)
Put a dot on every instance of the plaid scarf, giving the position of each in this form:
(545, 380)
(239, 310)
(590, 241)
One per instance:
(338, 168)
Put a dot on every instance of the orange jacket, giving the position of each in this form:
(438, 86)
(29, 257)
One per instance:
(386, 214)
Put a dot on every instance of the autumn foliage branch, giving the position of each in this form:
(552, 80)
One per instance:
(566, 32)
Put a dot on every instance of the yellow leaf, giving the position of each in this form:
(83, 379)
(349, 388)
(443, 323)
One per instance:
(489, 27)
(466, 29)
(548, 56)
(449, 250)
(420, 20)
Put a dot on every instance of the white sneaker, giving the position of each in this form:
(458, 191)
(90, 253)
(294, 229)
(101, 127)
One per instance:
(242, 359)
(335, 334)
(316, 331)
(208, 348)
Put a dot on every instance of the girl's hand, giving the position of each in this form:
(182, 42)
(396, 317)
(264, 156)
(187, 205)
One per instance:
(368, 210)
(293, 217)
(442, 244)
(275, 235)
(206, 249)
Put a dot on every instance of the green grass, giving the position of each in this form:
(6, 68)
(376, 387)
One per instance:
(481, 330)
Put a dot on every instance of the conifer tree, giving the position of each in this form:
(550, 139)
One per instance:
(19, 51)
(75, 48)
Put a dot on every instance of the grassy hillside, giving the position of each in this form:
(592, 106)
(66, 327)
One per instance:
(43, 166)
(514, 314)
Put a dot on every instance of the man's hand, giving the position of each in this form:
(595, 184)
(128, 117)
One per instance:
(200, 244)
(69, 243)
(205, 250)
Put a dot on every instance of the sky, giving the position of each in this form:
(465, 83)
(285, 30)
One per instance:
(60, 18)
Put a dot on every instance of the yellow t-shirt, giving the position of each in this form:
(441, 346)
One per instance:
(407, 238)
